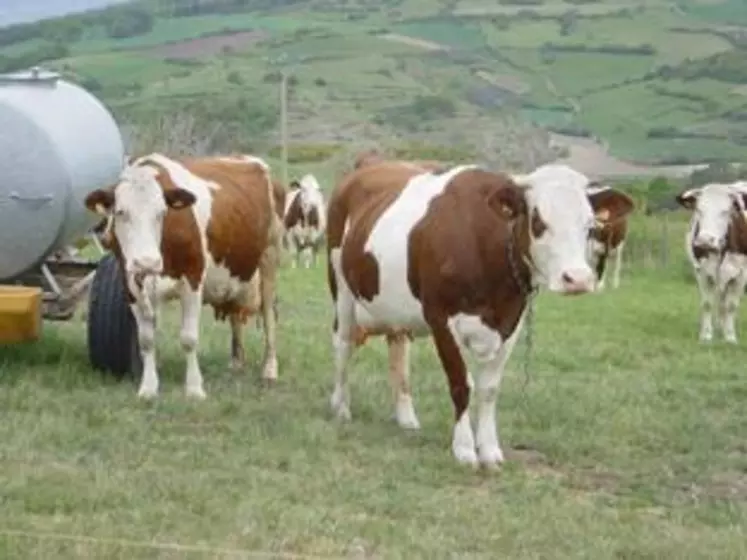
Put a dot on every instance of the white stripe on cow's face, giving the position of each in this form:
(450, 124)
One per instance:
(557, 193)
(139, 208)
(140, 204)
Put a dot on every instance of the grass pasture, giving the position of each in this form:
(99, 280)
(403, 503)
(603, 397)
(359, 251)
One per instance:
(625, 440)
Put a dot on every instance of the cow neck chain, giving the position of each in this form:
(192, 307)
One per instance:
(529, 291)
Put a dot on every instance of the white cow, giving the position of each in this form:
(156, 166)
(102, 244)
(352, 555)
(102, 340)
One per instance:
(716, 244)
(305, 220)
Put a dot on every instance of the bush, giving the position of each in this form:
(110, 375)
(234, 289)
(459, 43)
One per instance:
(417, 151)
(307, 153)
(129, 22)
(33, 57)
(234, 77)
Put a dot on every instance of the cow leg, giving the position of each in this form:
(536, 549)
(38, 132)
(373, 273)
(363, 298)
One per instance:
(491, 351)
(294, 249)
(618, 265)
(463, 441)
(238, 354)
(731, 297)
(267, 282)
(342, 340)
(601, 269)
(146, 332)
(399, 376)
(306, 256)
(189, 338)
(707, 289)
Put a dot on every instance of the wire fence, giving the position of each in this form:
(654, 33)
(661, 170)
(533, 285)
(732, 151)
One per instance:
(657, 242)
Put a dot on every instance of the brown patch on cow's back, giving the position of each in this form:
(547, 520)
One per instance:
(361, 198)
(373, 157)
(245, 205)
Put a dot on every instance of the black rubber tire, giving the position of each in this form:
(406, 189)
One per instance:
(112, 332)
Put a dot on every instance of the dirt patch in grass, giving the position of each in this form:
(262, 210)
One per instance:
(414, 42)
(728, 485)
(584, 479)
(208, 46)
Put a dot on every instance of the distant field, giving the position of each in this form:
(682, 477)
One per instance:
(591, 69)
(720, 11)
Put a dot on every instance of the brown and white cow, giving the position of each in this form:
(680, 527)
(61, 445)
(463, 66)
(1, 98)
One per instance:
(204, 230)
(372, 157)
(454, 255)
(607, 240)
(305, 220)
(716, 245)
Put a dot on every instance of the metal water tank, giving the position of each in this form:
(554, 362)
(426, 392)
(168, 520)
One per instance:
(57, 143)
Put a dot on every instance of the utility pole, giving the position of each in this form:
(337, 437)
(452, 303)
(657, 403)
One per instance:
(284, 122)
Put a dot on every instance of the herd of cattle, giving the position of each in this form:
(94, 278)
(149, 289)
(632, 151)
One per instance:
(414, 248)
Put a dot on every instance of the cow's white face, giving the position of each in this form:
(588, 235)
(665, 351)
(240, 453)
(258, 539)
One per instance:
(309, 194)
(713, 207)
(137, 206)
(561, 215)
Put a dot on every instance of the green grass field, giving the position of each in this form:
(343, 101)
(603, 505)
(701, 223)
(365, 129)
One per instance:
(624, 439)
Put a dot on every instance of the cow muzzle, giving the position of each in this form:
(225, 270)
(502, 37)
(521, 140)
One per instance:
(707, 243)
(577, 281)
(143, 267)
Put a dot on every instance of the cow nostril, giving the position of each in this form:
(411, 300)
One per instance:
(567, 278)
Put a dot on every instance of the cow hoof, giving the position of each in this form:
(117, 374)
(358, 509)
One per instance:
(466, 456)
(147, 393)
(341, 412)
(237, 366)
(196, 393)
(270, 371)
(491, 457)
(730, 340)
(407, 422)
(268, 383)
(705, 339)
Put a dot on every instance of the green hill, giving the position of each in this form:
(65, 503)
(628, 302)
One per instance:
(654, 81)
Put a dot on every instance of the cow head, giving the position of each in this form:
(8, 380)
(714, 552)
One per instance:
(561, 214)
(310, 193)
(713, 207)
(137, 206)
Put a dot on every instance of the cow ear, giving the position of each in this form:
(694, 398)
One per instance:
(688, 198)
(508, 201)
(610, 205)
(100, 201)
(177, 199)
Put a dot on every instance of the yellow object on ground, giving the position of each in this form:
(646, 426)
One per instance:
(20, 314)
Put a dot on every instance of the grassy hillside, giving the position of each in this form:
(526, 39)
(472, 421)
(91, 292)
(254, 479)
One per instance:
(655, 81)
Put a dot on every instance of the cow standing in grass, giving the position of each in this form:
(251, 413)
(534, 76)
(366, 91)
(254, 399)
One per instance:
(455, 255)
(716, 245)
(607, 240)
(204, 230)
(305, 220)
